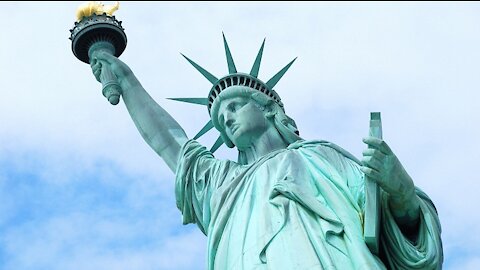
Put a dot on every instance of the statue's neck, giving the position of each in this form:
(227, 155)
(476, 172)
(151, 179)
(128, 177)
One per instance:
(266, 143)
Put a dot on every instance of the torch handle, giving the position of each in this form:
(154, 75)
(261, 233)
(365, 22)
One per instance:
(110, 87)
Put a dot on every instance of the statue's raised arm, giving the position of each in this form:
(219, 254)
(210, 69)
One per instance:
(160, 130)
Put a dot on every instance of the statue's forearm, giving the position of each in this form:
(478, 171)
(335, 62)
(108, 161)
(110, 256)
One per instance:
(157, 127)
(405, 208)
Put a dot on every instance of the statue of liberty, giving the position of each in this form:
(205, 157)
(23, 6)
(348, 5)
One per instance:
(286, 203)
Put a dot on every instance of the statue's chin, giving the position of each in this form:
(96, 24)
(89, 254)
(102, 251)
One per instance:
(240, 141)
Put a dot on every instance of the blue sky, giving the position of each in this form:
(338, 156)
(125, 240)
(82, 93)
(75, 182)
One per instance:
(79, 189)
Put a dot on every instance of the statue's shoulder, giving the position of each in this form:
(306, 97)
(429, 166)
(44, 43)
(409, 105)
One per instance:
(322, 145)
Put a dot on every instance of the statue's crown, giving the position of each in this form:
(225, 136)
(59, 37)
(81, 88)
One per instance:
(241, 79)
(234, 78)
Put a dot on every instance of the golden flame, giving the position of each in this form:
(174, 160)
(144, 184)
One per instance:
(93, 7)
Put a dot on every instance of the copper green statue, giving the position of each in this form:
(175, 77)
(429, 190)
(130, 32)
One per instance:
(286, 203)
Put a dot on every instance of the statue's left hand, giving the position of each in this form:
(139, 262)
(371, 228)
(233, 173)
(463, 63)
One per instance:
(383, 166)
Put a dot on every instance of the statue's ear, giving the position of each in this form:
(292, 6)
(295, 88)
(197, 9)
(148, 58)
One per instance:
(265, 103)
(270, 109)
(270, 113)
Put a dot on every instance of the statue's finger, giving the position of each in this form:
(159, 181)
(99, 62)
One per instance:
(97, 66)
(373, 163)
(97, 72)
(110, 59)
(375, 175)
(97, 75)
(378, 144)
(368, 152)
(372, 141)
(370, 162)
(93, 61)
(374, 153)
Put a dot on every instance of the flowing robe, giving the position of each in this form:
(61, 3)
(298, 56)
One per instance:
(295, 208)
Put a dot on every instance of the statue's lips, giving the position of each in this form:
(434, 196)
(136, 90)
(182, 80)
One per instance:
(234, 128)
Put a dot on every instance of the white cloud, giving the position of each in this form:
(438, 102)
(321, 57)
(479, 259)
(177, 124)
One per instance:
(83, 241)
(101, 217)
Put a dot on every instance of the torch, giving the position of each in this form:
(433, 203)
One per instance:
(96, 30)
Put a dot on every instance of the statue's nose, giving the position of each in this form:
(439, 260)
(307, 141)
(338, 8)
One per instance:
(228, 122)
(229, 119)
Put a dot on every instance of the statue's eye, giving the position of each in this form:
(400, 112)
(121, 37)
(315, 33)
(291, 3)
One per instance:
(232, 107)
(238, 106)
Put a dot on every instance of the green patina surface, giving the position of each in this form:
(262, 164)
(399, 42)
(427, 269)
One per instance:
(286, 203)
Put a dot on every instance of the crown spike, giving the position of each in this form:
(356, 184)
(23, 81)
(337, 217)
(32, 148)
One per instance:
(200, 101)
(274, 80)
(231, 65)
(256, 65)
(205, 73)
(204, 130)
(217, 144)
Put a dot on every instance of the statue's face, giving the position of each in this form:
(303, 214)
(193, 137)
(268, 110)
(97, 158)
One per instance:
(242, 120)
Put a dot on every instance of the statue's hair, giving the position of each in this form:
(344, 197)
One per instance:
(283, 123)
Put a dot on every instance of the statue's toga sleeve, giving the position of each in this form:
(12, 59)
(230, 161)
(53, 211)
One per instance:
(399, 250)
(424, 250)
(198, 175)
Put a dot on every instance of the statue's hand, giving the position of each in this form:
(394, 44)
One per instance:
(383, 166)
(103, 60)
